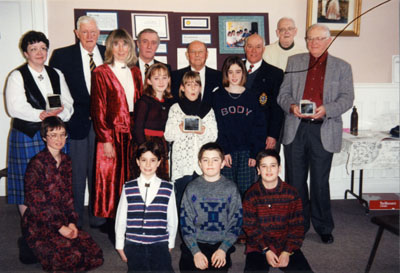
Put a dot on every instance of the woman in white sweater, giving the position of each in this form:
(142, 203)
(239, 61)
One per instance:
(187, 143)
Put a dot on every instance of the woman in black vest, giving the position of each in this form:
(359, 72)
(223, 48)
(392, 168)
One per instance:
(26, 98)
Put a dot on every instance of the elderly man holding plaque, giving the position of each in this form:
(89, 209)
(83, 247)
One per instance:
(316, 91)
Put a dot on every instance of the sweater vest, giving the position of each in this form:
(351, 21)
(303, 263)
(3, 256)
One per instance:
(35, 98)
(147, 224)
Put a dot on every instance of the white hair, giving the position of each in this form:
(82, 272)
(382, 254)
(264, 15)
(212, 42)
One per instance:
(317, 25)
(285, 18)
(85, 19)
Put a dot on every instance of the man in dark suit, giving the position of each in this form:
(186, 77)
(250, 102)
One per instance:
(76, 63)
(147, 43)
(264, 80)
(211, 79)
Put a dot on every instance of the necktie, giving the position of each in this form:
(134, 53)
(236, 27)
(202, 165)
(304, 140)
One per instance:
(250, 69)
(146, 68)
(91, 62)
(40, 77)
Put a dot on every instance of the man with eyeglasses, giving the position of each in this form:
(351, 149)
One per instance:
(147, 43)
(310, 139)
(278, 52)
(211, 79)
(77, 62)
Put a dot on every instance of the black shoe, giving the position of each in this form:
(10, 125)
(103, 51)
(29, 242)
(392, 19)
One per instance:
(326, 238)
(26, 255)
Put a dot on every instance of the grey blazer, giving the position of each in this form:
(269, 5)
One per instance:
(338, 97)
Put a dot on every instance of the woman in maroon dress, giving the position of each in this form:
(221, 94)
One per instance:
(116, 85)
(49, 222)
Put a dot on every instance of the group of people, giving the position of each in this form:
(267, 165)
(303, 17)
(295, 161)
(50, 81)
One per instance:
(128, 137)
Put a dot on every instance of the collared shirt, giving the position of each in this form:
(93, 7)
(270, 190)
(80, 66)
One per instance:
(202, 73)
(314, 87)
(124, 75)
(255, 65)
(19, 107)
(142, 68)
(98, 60)
(122, 212)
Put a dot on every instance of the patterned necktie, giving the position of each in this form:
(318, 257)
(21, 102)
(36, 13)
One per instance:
(250, 69)
(91, 62)
(146, 68)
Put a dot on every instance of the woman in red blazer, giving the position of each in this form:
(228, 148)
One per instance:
(116, 85)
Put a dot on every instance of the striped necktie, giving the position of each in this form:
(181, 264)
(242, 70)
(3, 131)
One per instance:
(91, 62)
(146, 68)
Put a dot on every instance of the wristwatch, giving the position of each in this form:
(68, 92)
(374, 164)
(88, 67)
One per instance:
(265, 250)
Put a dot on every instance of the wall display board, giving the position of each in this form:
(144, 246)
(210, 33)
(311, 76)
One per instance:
(223, 33)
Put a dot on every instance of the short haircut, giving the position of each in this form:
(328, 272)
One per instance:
(149, 146)
(317, 25)
(32, 37)
(114, 36)
(51, 123)
(225, 68)
(148, 30)
(189, 76)
(84, 19)
(254, 35)
(266, 153)
(285, 18)
(211, 146)
(153, 69)
(188, 46)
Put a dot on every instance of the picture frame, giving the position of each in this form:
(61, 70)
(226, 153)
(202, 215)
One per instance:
(106, 21)
(188, 38)
(155, 21)
(195, 22)
(335, 14)
(229, 44)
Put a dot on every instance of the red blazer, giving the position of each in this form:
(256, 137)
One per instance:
(109, 107)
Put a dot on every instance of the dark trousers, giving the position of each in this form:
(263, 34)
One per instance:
(257, 262)
(82, 156)
(186, 263)
(148, 258)
(180, 186)
(304, 154)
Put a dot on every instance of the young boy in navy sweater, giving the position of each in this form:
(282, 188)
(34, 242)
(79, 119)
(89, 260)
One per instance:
(273, 220)
(147, 220)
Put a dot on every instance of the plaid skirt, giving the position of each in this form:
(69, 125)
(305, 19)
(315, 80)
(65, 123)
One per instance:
(21, 148)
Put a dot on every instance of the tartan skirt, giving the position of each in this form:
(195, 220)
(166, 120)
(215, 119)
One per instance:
(21, 148)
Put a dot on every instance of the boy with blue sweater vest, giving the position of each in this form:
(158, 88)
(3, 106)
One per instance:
(147, 220)
(211, 216)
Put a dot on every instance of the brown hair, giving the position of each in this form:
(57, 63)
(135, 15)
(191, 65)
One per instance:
(231, 60)
(153, 69)
(188, 76)
(211, 146)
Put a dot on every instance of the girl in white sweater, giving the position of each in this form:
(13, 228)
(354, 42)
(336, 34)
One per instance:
(186, 144)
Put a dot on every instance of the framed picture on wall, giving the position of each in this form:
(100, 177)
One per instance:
(335, 14)
(195, 23)
(233, 30)
(156, 21)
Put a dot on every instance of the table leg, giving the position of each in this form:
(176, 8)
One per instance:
(359, 196)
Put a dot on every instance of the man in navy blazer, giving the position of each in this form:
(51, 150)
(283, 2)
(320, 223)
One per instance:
(76, 63)
(147, 43)
(311, 139)
(211, 79)
(264, 80)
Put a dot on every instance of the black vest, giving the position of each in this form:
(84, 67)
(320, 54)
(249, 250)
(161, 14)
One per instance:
(35, 98)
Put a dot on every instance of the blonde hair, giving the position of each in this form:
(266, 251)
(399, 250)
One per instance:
(148, 88)
(116, 35)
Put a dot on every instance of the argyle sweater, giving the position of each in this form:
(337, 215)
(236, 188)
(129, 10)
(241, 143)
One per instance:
(211, 212)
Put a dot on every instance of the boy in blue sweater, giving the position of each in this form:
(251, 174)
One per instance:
(241, 124)
(211, 216)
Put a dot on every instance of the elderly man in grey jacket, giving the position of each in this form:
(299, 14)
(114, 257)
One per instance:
(311, 139)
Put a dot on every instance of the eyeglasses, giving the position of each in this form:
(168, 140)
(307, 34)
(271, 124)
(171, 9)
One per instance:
(283, 30)
(200, 52)
(36, 49)
(55, 136)
(317, 39)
